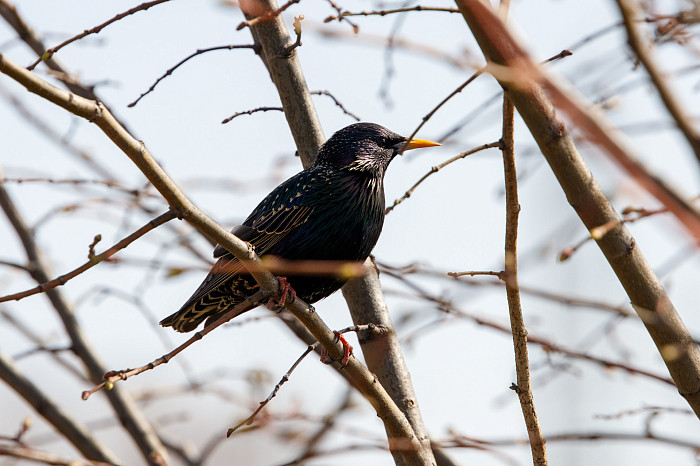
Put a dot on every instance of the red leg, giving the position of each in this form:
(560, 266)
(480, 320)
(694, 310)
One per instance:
(287, 292)
(347, 351)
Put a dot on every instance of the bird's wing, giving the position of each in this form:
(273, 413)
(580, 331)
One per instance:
(281, 212)
(269, 228)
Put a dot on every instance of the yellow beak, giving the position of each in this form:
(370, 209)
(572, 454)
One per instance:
(418, 143)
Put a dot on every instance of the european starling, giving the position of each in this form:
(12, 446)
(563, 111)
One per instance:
(332, 211)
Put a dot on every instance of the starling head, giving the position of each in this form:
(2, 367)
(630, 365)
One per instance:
(365, 147)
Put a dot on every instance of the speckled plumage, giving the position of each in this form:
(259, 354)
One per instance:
(334, 210)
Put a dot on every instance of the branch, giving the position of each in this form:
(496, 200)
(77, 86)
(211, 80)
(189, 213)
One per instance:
(343, 14)
(49, 53)
(182, 62)
(93, 259)
(510, 277)
(111, 377)
(648, 297)
(642, 47)
(404, 440)
(75, 432)
(439, 167)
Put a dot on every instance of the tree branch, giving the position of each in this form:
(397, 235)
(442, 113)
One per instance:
(76, 433)
(643, 49)
(510, 277)
(93, 260)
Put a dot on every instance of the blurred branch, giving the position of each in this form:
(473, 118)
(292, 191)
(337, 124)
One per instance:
(19, 452)
(93, 259)
(510, 278)
(643, 48)
(404, 439)
(71, 429)
(648, 297)
(595, 436)
(128, 413)
(40, 345)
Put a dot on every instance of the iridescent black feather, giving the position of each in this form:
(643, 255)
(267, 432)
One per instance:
(333, 210)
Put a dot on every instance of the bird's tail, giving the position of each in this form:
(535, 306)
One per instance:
(188, 318)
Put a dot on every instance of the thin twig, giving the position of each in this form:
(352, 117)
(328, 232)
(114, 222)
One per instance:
(111, 377)
(343, 14)
(182, 62)
(50, 52)
(285, 378)
(93, 260)
(436, 169)
(250, 112)
(338, 103)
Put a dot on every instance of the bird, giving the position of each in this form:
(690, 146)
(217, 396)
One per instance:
(331, 211)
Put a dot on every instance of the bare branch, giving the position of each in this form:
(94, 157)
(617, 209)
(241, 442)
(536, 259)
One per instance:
(510, 278)
(76, 433)
(49, 53)
(182, 62)
(641, 45)
(250, 112)
(93, 259)
(285, 378)
(343, 14)
(437, 168)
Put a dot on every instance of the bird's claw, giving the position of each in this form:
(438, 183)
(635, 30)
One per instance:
(286, 293)
(347, 351)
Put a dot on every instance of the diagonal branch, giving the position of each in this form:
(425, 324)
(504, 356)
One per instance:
(50, 52)
(71, 429)
(93, 260)
(403, 438)
(643, 48)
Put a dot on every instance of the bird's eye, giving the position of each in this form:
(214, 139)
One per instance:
(390, 143)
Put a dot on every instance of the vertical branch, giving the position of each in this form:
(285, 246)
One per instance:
(522, 364)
